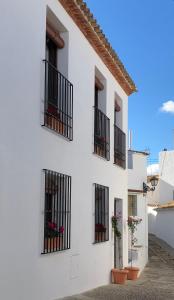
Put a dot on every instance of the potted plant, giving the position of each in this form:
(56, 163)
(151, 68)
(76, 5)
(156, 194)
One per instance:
(54, 236)
(118, 275)
(133, 222)
(100, 230)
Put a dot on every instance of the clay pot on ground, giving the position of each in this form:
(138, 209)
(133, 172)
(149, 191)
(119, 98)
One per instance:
(132, 273)
(119, 276)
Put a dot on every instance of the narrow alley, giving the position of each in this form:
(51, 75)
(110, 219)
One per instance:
(155, 283)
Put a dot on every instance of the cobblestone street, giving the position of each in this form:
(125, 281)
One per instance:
(155, 283)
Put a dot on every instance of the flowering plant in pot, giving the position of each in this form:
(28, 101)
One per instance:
(53, 236)
(119, 275)
(133, 222)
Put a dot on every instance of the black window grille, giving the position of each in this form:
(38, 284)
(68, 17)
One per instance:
(57, 212)
(101, 213)
(58, 112)
(119, 147)
(101, 134)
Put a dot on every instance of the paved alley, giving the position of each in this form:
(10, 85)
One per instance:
(155, 283)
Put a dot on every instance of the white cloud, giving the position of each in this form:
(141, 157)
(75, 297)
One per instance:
(153, 169)
(168, 107)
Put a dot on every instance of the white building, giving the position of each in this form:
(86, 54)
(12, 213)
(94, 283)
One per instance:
(137, 205)
(161, 201)
(60, 169)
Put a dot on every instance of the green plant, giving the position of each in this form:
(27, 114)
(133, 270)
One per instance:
(115, 220)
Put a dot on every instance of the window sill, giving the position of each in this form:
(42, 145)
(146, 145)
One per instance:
(55, 125)
(123, 168)
(102, 157)
(98, 243)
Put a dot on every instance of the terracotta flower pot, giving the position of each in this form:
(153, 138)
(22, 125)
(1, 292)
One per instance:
(132, 273)
(119, 276)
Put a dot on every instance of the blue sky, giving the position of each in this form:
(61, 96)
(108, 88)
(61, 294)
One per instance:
(142, 33)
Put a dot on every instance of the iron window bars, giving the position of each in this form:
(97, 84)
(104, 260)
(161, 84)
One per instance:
(58, 109)
(101, 134)
(101, 213)
(119, 147)
(57, 212)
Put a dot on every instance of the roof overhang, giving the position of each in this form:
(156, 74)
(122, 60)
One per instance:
(86, 22)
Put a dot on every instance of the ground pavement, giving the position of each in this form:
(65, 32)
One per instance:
(155, 283)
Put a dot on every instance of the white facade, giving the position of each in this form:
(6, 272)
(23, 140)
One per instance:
(164, 191)
(161, 220)
(27, 148)
(137, 174)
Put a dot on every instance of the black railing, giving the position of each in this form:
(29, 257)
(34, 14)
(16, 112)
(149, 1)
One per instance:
(119, 147)
(57, 212)
(101, 213)
(101, 134)
(58, 112)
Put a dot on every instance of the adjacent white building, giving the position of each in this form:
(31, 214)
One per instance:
(161, 201)
(63, 119)
(137, 205)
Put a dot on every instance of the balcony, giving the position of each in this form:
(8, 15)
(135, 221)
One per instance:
(119, 147)
(58, 109)
(101, 134)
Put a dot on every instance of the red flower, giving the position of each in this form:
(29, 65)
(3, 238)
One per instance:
(52, 225)
(61, 229)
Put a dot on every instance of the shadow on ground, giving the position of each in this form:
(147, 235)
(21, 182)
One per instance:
(155, 283)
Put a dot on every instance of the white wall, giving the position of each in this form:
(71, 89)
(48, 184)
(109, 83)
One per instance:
(153, 196)
(26, 148)
(161, 223)
(164, 191)
(136, 176)
(161, 220)
(166, 183)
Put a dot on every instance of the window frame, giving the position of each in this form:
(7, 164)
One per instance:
(134, 208)
(57, 214)
(101, 222)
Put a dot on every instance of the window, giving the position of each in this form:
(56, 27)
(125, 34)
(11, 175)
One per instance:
(130, 159)
(119, 136)
(101, 122)
(58, 109)
(101, 213)
(57, 212)
(132, 205)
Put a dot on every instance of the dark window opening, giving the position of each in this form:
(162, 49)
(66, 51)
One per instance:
(101, 213)
(58, 114)
(119, 147)
(96, 97)
(57, 212)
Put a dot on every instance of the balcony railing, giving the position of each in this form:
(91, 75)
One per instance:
(119, 147)
(101, 134)
(58, 112)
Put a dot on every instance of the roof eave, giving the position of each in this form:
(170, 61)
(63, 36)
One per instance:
(83, 18)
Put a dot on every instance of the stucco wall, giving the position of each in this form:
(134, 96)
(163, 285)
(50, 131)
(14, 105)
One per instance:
(166, 183)
(26, 148)
(161, 223)
(136, 176)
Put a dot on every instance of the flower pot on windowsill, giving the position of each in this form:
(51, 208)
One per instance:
(99, 237)
(54, 123)
(119, 276)
(53, 243)
(132, 273)
(100, 231)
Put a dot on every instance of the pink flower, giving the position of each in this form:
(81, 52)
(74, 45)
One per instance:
(61, 229)
(52, 225)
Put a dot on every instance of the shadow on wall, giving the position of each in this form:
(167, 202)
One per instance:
(154, 216)
(161, 220)
(166, 192)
